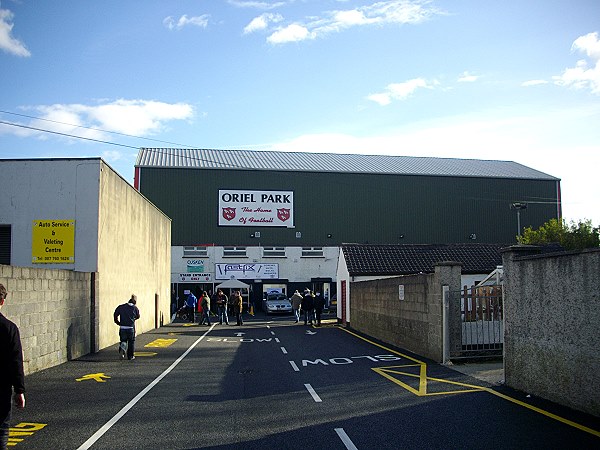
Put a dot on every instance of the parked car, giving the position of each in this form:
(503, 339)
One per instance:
(276, 303)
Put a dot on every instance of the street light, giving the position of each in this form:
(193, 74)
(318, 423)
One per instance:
(518, 206)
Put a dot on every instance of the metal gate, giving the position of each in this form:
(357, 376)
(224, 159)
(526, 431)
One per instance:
(482, 324)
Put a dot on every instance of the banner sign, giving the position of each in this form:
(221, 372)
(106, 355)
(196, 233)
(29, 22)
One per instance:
(53, 242)
(194, 277)
(255, 271)
(256, 208)
(195, 265)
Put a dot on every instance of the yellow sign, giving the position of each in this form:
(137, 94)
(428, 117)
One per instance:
(53, 242)
(99, 377)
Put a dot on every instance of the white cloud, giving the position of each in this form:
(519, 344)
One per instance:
(466, 77)
(183, 21)
(400, 91)
(8, 43)
(133, 117)
(262, 22)
(384, 12)
(533, 83)
(291, 33)
(585, 74)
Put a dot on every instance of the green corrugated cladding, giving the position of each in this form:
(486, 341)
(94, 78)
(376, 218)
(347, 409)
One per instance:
(352, 208)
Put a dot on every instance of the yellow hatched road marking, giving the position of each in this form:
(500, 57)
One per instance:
(422, 391)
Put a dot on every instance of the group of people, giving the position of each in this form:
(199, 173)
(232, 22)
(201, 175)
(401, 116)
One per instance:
(224, 305)
(309, 304)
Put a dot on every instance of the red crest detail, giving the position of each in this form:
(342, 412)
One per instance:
(229, 213)
(283, 214)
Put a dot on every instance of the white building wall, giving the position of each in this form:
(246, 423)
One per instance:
(51, 190)
(294, 267)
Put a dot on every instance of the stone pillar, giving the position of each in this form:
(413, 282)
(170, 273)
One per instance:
(447, 273)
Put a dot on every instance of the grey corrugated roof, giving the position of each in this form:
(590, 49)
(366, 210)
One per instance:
(333, 162)
(405, 259)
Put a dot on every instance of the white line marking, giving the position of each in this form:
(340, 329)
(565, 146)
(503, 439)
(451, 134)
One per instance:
(277, 340)
(284, 350)
(273, 333)
(107, 426)
(312, 392)
(294, 366)
(345, 439)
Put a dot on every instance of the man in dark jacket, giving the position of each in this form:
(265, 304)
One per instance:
(11, 374)
(125, 316)
(308, 305)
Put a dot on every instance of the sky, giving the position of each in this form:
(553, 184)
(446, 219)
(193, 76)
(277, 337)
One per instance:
(511, 80)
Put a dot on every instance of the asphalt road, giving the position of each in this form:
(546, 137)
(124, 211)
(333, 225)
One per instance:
(274, 384)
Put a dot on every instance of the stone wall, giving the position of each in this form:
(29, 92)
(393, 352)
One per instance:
(415, 322)
(51, 307)
(552, 312)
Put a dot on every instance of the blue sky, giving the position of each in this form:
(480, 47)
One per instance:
(503, 80)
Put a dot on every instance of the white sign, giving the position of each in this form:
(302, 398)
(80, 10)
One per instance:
(255, 271)
(401, 291)
(194, 277)
(256, 208)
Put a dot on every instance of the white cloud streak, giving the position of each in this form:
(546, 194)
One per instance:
(184, 21)
(133, 117)
(586, 73)
(255, 4)
(466, 77)
(8, 42)
(534, 83)
(398, 12)
(400, 91)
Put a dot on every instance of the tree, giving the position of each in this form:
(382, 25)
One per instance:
(574, 236)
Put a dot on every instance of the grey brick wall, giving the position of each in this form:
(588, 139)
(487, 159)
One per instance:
(552, 314)
(414, 323)
(51, 307)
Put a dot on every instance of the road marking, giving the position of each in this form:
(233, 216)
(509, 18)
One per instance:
(284, 350)
(345, 439)
(471, 388)
(17, 433)
(273, 333)
(160, 343)
(277, 340)
(310, 332)
(294, 366)
(313, 393)
(144, 354)
(107, 426)
(99, 377)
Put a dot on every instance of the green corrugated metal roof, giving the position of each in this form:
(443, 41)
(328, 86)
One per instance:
(333, 162)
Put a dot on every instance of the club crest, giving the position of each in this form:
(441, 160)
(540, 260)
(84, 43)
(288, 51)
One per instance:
(283, 214)
(228, 214)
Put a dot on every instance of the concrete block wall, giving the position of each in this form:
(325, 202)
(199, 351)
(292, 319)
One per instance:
(51, 307)
(415, 323)
(552, 312)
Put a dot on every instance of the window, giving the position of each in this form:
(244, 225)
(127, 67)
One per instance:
(308, 252)
(194, 252)
(234, 251)
(5, 238)
(274, 252)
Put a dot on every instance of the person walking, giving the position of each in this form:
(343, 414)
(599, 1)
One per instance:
(205, 302)
(125, 316)
(319, 305)
(296, 302)
(238, 305)
(12, 376)
(307, 306)
(190, 305)
(222, 301)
